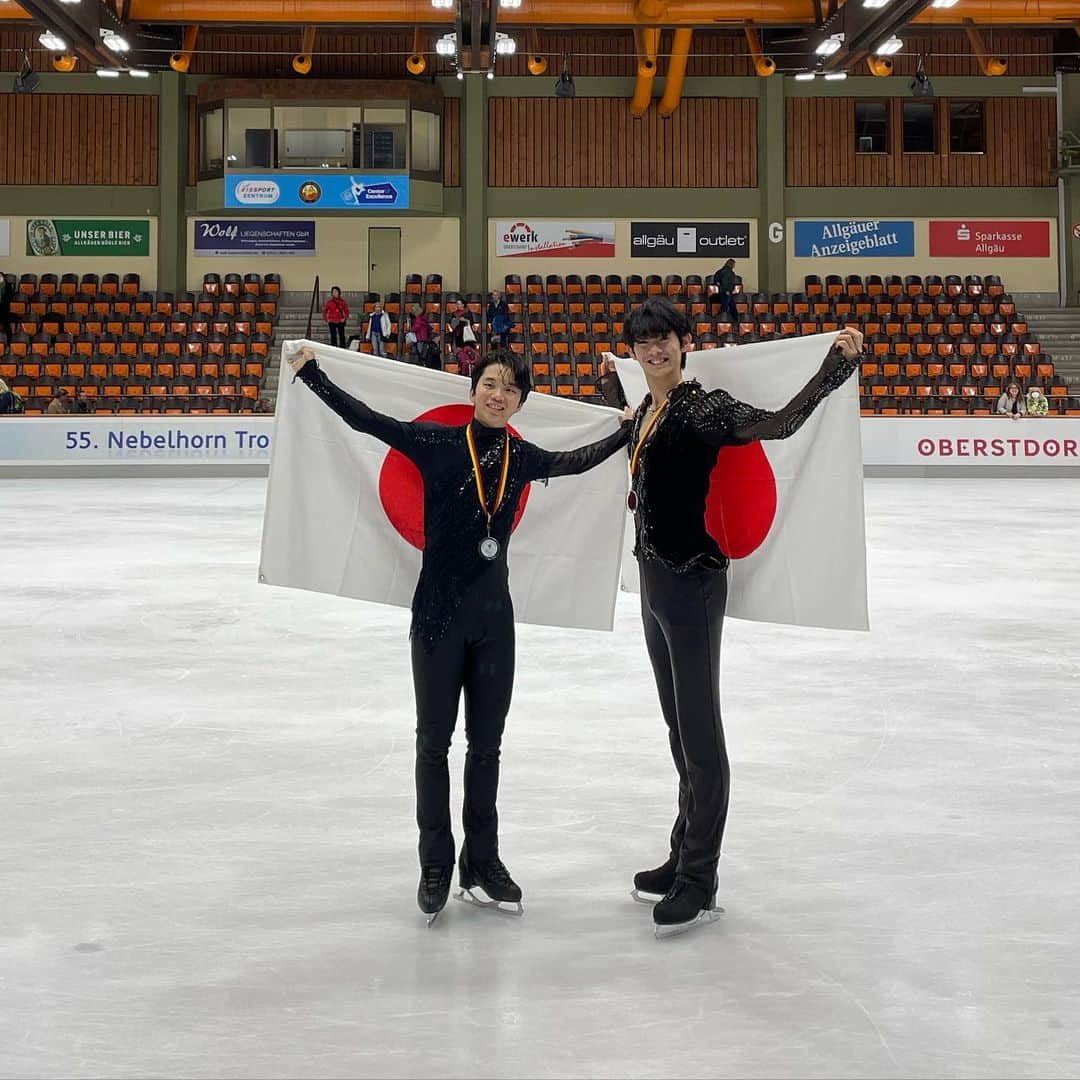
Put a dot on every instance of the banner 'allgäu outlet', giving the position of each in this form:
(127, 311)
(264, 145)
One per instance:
(721, 240)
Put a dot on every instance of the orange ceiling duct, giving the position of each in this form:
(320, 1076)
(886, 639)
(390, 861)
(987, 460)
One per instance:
(991, 65)
(536, 63)
(417, 62)
(763, 65)
(676, 72)
(297, 12)
(879, 65)
(648, 42)
(64, 61)
(181, 61)
(301, 62)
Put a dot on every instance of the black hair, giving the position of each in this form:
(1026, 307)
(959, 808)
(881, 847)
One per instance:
(519, 368)
(656, 318)
(335, 288)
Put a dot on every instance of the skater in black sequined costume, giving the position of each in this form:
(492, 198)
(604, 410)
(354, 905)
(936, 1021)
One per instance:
(463, 619)
(678, 430)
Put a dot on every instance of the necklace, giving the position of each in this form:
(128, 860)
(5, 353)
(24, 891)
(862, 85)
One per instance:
(489, 546)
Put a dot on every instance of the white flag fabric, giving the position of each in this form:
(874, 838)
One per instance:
(340, 505)
(791, 509)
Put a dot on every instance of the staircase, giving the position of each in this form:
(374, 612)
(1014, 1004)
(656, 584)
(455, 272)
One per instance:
(1058, 331)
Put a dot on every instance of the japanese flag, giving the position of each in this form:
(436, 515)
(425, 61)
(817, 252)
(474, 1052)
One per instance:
(344, 513)
(789, 512)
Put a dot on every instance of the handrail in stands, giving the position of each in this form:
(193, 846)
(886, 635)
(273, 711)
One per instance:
(311, 309)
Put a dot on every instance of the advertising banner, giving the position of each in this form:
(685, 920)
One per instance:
(251, 237)
(719, 240)
(991, 239)
(555, 239)
(316, 191)
(854, 238)
(959, 442)
(49, 237)
(135, 440)
(5, 236)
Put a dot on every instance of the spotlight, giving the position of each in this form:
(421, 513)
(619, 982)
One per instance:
(442, 5)
(115, 42)
(446, 45)
(509, 3)
(26, 82)
(491, 74)
(138, 73)
(460, 76)
(564, 86)
(830, 45)
(52, 42)
(875, 3)
(887, 48)
(835, 76)
(943, 3)
(505, 45)
(920, 83)
(108, 73)
(804, 76)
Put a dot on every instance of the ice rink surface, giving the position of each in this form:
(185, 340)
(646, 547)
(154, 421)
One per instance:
(207, 845)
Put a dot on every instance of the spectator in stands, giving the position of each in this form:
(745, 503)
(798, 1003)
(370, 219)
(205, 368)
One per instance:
(7, 294)
(462, 327)
(1011, 403)
(263, 407)
(498, 317)
(1037, 405)
(60, 404)
(378, 329)
(10, 402)
(335, 313)
(725, 281)
(418, 332)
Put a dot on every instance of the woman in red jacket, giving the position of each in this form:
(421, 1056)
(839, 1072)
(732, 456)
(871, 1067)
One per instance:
(336, 314)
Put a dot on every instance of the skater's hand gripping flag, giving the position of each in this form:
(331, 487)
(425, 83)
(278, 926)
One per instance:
(792, 509)
(334, 512)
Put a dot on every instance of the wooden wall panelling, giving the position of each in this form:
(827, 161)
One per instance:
(594, 142)
(192, 141)
(451, 142)
(62, 139)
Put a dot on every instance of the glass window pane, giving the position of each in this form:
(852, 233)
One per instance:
(425, 142)
(252, 139)
(966, 127)
(211, 140)
(871, 127)
(317, 137)
(384, 136)
(920, 128)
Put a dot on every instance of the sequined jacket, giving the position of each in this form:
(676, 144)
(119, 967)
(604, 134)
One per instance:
(672, 480)
(454, 523)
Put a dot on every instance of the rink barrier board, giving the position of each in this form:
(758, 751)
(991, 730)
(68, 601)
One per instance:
(241, 445)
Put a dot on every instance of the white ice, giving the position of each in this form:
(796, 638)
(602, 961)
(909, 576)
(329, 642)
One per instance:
(207, 847)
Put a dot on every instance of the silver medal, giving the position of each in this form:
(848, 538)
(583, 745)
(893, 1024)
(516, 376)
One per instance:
(489, 547)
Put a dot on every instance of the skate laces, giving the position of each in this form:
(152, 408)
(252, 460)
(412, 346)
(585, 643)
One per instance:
(496, 873)
(434, 876)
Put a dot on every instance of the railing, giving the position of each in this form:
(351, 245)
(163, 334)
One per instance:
(311, 309)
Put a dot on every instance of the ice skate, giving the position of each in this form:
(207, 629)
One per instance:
(434, 890)
(651, 886)
(488, 885)
(685, 906)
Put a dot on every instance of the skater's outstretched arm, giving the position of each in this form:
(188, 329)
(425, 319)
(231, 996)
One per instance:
(545, 463)
(360, 417)
(729, 421)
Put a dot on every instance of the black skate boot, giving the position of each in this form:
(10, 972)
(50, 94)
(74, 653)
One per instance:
(434, 889)
(488, 884)
(650, 886)
(684, 907)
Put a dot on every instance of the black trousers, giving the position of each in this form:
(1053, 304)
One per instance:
(337, 334)
(475, 655)
(683, 615)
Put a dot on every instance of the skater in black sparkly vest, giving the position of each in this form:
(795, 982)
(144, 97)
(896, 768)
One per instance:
(678, 430)
(463, 619)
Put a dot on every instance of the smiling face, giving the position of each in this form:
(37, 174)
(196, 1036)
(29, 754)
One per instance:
(660, 357)
(496, 397)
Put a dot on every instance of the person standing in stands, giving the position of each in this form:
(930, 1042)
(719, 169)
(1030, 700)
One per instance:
(419, 333)
(7, 294)
(725, 279)
(378, 329)
(335, 313)
(498, 317)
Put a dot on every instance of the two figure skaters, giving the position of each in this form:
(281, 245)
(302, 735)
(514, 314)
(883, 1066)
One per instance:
(462, 616)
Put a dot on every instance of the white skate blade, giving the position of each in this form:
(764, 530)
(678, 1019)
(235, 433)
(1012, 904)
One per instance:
(652, 899)
(707, 916)
(432, 917)
(478, 898)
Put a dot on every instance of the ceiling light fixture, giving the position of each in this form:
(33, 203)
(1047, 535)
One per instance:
(446, 45)
(830, 45)
(108, 73)
(505, 45)
(835, 76)
(887, 48)
(804, 76)
(52, 42)
(115, 42)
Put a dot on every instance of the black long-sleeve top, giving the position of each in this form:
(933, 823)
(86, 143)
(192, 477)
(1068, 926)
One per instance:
(454, 523)
(672, 481)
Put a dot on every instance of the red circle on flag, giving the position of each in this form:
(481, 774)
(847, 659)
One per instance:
(401, 487)
(741, 505)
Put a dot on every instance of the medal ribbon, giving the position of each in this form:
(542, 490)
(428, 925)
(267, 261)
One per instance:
(645, 435)
(475, 458)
